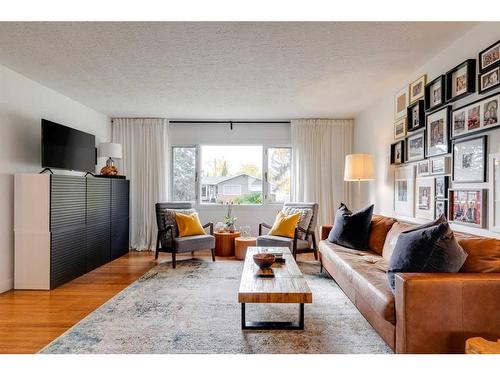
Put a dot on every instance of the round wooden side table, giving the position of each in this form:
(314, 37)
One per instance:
(241, 244)
(224, 243)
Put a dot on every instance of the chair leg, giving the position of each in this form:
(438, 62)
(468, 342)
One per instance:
(320, 264)
(173, 259)
(213, 255)
(192, 254)
(315, 254)
(156, 254)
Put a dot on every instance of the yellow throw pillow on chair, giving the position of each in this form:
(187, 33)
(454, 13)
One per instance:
(189, 225)
(284, 225)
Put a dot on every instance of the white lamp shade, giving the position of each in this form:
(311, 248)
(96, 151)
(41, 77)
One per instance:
(110, 150)
(359, 167)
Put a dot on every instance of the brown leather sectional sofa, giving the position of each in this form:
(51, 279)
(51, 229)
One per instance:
(430, 312)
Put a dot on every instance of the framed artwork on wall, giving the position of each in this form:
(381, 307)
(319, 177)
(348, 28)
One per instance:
(489, 80)
(423, 168)
(404, 188)
(424, 205)
(438, 135)
(417, 88)
(468, 207)
(398, 152)
(469, 160)
(415, 116)
(441, 208)
(478, 116)
(440, 165)
(489, 57)
(441, 185)
(494, 196)
(415, 146)
(401, 102)
(460, 81)
(400, 128)
(434, 93)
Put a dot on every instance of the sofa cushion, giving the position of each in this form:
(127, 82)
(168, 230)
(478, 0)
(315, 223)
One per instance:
(306, 215)
(483, 253)
(277, 241)
(392, 237)
(379, 228)
(351, 229)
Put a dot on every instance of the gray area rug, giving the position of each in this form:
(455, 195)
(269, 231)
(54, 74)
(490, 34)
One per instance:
(194, 309)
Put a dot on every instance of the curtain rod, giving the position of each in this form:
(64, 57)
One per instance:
(226, 122)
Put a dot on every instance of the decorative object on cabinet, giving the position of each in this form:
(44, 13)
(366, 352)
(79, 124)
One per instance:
(468, 207)
(401, 102)
(489, 80)
(415, 145)
(423, 168)
(415, 116)
(424, 190)
(469, 160)
(494, 196)
(404, 190)
(435, 93)
(441, 208)
(111, 151)
(440, 165)
(417, 88)
(460, 81)
(438, 135)
(489, 57)
(478, 116)
(400, 128)
(441, 187)
(397, 152)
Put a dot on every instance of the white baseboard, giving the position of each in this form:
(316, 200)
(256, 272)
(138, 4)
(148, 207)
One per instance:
(6, 285)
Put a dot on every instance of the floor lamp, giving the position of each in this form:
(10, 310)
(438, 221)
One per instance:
(359, 167)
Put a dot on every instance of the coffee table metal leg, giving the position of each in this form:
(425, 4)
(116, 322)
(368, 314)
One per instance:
(273, 325)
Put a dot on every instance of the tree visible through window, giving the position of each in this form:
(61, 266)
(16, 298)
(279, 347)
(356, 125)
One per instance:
(278, 174)
(184, 174)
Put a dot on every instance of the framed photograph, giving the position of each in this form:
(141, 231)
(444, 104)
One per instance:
(478, 116)
(423, 168)
(489, 57)
(441, 186)
(467, 207)
(401, 101)
(434, 93)
(397, 152)
(400, 128)
(441, 208)
(404, 188)
(415, 146)
(469, 160)
(424, 190)
(440, 165)
(438, 135)
(460, 81)
(417, 88)
(415, 116)
(489, 80)
(494, 196)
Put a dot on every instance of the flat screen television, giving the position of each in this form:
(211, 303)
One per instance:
(67, 148)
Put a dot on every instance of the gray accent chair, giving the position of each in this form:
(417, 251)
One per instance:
(167, 240)
(295, 244)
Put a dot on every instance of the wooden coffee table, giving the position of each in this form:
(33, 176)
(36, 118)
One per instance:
(287, 286)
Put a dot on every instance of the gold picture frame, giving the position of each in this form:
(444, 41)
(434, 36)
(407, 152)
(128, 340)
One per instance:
(417, 88)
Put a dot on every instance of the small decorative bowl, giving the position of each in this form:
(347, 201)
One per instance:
(264, 260)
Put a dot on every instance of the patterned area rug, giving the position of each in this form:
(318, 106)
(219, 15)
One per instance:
(194, 309)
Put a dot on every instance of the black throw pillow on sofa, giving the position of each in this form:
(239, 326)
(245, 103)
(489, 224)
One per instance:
(351, 229)
(426, 249)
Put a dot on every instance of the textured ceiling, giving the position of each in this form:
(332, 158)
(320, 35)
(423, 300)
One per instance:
(220, 70)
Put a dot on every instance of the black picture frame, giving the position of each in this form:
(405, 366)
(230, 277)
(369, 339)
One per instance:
(447, 138)
(483, 68)
(470, 85)
(427, 93)
(445, 180)
(445, 210)
(421, 116)
(487, 73)
(484, 164)
(408, 141)
(401, 143)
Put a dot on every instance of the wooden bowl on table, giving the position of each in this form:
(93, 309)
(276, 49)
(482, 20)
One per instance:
(264, 260)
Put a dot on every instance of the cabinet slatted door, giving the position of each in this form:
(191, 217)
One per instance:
(98, 233)
(67, 227)
(119, 218)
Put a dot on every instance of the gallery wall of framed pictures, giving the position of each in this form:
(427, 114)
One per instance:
(440, 153)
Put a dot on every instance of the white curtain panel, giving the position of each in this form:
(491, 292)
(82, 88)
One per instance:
(319, 149)
(145, 162)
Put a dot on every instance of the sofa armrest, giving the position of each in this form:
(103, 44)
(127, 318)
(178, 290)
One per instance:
(438, 312)
(325, 231)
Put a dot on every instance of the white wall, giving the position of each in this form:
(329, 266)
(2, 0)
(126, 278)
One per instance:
(244, 134)
(373, 131)
(23, 103)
